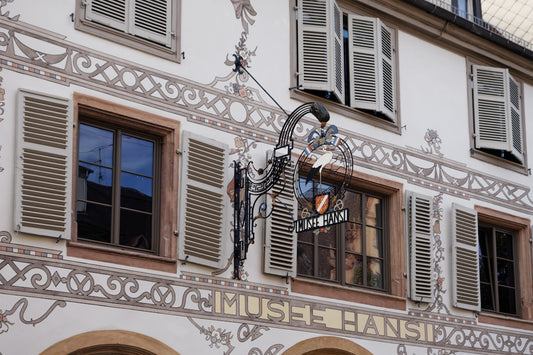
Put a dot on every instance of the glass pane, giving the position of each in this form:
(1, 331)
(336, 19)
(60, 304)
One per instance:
(353, 240)
(328, 237)
(95, 145)
(373, 215)
(374, 276)
(307, 237)
(94, 223)
(486, 297)
(484, 269)
(374, 242)
(327, 263)
(507, 300)
(504, 245)
(353, 202)
(505, 273)
(95, 183)
(136, 192)
(353, 269)
(137, 155)
(135, 230)
(305, 260)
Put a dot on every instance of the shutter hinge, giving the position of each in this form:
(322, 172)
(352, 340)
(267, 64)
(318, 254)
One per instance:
(177, 233)
(85, 2)
(179, 152)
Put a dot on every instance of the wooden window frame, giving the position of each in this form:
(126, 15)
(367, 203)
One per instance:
(164, 259)
(394, 297)
(522, 229)
(172, 53)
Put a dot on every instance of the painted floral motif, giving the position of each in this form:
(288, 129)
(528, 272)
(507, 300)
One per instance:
(216, 337)
(3, 4)
(433, 141)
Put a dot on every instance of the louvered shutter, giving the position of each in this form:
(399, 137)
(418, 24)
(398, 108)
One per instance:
(372, 67)
(280, 237)
(112, 13)
(152, 20)
(420, 248)
(465, 258)
(497, 112)
(320, 47)
(387, 97)
(44, 165)
(203, 201)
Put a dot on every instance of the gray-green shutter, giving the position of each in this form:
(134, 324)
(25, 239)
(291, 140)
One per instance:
(320, 47)
(43, 183)
(280, 237)
(465, 258)
(203, 201)
(420, 247)
(497, 112)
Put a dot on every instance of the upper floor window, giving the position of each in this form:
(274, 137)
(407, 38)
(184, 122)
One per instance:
(497, 112)
(347, 58)
(149, 25)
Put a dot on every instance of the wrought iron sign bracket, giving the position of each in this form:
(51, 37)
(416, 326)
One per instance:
(252, 184)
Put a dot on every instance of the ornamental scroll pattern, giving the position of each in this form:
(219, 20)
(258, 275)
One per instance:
(74, 64)
(231, 301)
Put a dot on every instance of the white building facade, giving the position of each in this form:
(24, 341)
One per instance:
(122, 122)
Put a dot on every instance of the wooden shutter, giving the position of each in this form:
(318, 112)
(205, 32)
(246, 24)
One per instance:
(43, 165)
(152, 19)
(497, 112)
(112, 13)
(420, 247)
(465, 258)
(320, 47)
(280, 237)
(372, 68)
(387, 97)
(202, 201)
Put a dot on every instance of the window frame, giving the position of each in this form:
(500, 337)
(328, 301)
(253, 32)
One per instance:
(484, 155)
(164, 258)
(172, 53)
(358, 114)
(341, 251)
(493, 282)
(394, 296)
(521, 228)
(116, 168)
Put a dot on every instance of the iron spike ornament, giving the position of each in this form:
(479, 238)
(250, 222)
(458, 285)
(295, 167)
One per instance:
(251, 185)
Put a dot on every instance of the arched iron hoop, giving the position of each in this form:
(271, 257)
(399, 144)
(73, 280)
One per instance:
(249, 188)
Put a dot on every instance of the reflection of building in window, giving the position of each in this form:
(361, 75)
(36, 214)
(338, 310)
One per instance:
(351, 253)
(115, 191)
(498, 272)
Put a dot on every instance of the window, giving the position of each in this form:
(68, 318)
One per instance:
(352, 253)
(497, 270)
(117, 186)
(149, 25)
(498, 123)
(125, 191)
(467, 8)
(491, 259)
(347, 58)
(364, 254)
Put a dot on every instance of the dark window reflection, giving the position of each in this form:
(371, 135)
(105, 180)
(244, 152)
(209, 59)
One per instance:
(115, 187)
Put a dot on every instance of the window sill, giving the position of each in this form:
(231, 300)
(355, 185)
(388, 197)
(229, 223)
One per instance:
(505, 321)
(122, 257)
(488, 158)
(359, 295)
